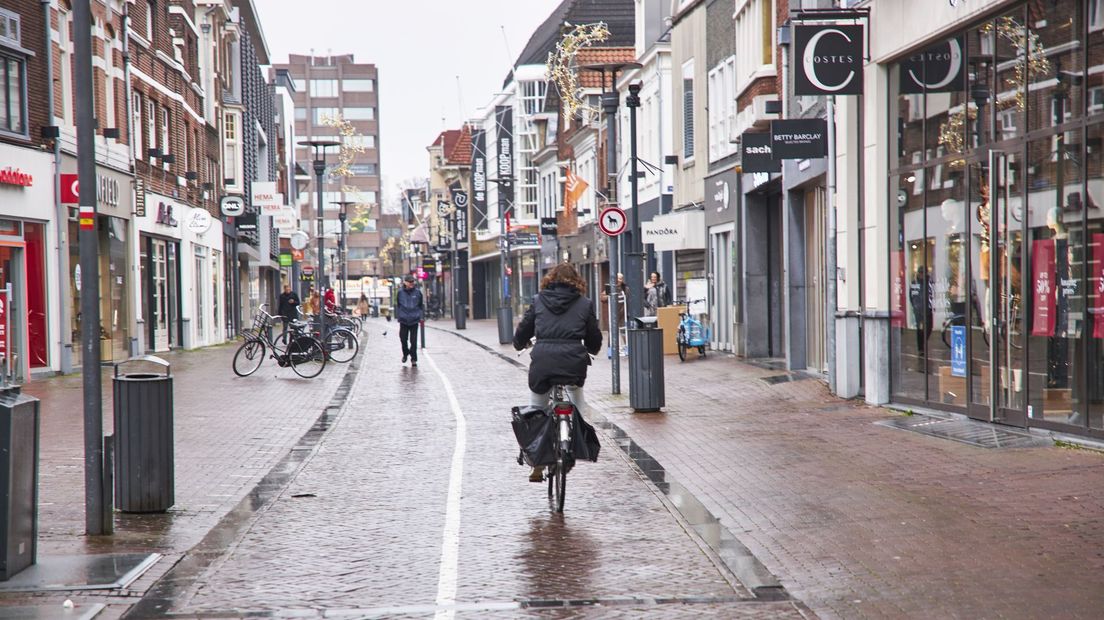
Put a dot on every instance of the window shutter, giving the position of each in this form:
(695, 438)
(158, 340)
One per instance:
(687, 119)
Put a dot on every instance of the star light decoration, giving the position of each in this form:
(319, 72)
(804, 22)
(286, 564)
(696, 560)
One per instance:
(563, 71)
(350, 148)
(1033, 62)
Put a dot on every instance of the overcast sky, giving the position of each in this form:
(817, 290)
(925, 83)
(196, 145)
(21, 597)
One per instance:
(420, 47)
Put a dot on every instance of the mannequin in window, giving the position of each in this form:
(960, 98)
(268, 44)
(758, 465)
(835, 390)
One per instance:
(920, 297)
(1058, 343)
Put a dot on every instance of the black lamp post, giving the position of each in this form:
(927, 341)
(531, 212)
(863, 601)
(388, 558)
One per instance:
(319, 147)
(610, 103)
(506, 306)
(342, 250)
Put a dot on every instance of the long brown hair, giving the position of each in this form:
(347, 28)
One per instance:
(564, 273)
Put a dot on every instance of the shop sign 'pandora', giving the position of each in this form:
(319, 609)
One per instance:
(829, 59)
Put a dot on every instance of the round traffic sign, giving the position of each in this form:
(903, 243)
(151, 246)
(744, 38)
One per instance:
(612, 221)
(299, 240)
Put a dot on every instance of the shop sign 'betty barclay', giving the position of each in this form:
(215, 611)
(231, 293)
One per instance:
(829, 59)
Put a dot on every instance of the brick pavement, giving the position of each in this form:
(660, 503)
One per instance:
(229, 432)
(360, 527)
(862, 521)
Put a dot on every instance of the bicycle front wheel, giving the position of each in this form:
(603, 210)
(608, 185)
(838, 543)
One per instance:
(342, 345)
(249, 357)
(306, 357)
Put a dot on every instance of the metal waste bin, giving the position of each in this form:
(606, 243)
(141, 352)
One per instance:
(19, 484)
(460, 313)
(646, 389)
(144, 471)
(505, 325)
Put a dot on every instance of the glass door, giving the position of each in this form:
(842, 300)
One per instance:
(996, 337)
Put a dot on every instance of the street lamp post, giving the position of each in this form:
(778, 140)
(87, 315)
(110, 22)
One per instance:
(610, 102)
(319, 147)
(506, 307)
(342, 248)
(634, 259)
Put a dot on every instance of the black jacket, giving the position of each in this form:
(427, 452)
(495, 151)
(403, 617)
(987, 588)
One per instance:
(288, 303)
(566, 329)
(410, 308)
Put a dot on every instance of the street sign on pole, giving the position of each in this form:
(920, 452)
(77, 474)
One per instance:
(612, 221)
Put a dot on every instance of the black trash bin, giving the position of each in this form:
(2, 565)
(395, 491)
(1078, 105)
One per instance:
(144, 471)
(461, 316)
(505, 325)
(19, 485)
(646, 389)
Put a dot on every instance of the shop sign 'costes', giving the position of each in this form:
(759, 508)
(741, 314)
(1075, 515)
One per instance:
(829, 59)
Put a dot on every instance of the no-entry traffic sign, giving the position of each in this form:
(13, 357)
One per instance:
(612, 221)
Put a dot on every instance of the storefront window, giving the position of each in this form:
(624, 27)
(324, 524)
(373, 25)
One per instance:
(37, 326)
(910, 309)
(945, 318)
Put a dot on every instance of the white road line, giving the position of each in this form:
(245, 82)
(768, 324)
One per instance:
(450, 546)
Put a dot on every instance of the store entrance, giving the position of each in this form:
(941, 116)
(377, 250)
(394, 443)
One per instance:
(996, 336)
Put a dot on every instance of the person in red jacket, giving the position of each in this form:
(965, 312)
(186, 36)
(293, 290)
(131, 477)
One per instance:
(331, 300)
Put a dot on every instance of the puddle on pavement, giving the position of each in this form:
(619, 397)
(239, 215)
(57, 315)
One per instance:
(738, 558)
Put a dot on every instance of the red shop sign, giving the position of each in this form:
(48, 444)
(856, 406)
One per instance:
(4, 324)
(1044, 276)
(15, 176)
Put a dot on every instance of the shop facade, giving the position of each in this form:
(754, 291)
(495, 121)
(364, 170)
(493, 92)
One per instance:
(28, 263)
(722, 200)
(994, 218)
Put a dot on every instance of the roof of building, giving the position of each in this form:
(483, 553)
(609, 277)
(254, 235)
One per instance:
(460, 154)
(618, 15)
(601, 56)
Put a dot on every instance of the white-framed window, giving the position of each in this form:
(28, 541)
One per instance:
(109, 73)
(1096, 15)
(166, 130)
(10, 27)
(231, 140)
(65, 64)
(150, 10)
(13, 108)
(722, 108)
(358, 85)
(151, 123)
(754, 40)
(688, 110)
(323, 88)
(359, 114)
(1096, 98)
(136, 141)
(364, 142)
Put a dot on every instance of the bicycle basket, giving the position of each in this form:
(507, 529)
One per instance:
(260, 321)
(696, 332)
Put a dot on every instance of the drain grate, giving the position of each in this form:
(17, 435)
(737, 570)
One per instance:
(980, 434)
(786, 378)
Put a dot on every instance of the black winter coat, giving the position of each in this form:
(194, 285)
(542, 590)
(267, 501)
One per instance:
(566, 329)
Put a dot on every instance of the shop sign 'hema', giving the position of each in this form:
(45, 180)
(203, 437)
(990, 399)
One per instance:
(829, 59)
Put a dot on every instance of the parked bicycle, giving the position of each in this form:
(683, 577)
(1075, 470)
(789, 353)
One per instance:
(302, 352)
(341, 342)
(691, 333)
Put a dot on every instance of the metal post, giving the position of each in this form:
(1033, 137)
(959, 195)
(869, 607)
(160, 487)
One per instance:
(609, 108)
(90, 277)
(342, 254)
(830, 254)
(634, 264)
(319, 173)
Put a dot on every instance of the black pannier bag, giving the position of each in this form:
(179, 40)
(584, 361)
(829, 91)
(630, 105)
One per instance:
(536, 432)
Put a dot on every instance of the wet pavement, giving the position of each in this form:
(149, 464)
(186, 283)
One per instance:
(859, 520)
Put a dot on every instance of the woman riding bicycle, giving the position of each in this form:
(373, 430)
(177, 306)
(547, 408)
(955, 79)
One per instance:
(563, 320)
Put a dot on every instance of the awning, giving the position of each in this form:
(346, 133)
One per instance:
(419, 234)
(680, 230)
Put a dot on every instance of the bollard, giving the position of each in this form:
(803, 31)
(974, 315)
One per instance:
(646, 385)
(421, 328)
(505, 325)
(461, 316)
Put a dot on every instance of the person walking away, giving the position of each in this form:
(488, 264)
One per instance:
(288, 307)
(310, 304)
(656, 294)
(410, 310)
(362, 307)
(563, 320)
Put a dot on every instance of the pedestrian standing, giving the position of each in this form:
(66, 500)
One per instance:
(289, 306)
(331, 301)
(410, 310)
(310, 304)
(656, 294)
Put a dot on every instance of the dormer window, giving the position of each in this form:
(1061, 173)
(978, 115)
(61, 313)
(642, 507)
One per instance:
(149, 20)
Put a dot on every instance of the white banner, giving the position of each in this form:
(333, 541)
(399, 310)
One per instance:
(681, 230)
(274, 208)
(285, 219)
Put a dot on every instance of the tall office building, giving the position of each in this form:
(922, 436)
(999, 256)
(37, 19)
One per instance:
(331, 87)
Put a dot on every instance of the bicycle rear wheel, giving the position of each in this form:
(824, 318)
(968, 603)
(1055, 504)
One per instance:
(306, 357)
(561, 484)
(249, 357)
(342, 345)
